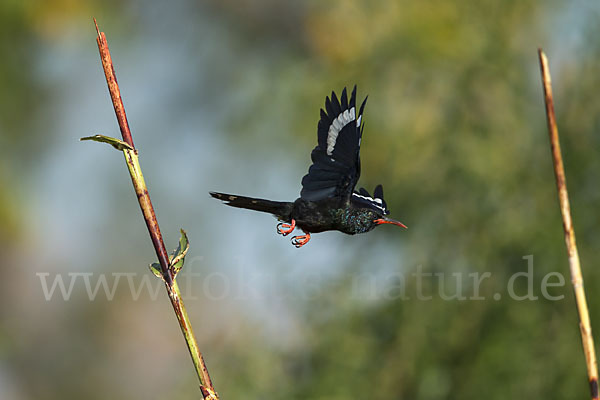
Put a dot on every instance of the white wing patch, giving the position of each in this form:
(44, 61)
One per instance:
(338, 124)
(375, 202)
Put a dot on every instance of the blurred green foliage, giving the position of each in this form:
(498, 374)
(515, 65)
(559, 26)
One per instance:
(455, 130)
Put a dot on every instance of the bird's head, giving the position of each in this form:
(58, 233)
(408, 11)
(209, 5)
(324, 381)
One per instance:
(365, 220)
(374, 209)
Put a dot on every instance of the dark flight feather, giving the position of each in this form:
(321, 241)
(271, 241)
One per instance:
(336, 159)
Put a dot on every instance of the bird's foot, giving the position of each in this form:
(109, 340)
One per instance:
(286, 229)
(300, 241)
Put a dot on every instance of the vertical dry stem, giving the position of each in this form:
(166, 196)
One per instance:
(563, 197)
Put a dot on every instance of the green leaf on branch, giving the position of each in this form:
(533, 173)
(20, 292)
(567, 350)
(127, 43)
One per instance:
(116, 143)
(178, 256)
(156, 270)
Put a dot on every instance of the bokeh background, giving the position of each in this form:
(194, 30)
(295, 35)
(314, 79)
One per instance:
(224, 95)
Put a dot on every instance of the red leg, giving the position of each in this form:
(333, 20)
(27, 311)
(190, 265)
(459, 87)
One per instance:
(286, 229)
(300, 241)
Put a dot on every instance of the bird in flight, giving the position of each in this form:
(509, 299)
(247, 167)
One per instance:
(328, 200)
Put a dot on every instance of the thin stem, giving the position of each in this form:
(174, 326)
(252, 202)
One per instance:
(565, 208)
(141, 190)
(188, 333)
(113, 86)
(143, 196)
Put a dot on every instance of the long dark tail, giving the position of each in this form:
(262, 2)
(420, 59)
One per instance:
(280, 209)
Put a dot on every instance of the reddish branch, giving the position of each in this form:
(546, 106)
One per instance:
(206, 386)
(143, 198)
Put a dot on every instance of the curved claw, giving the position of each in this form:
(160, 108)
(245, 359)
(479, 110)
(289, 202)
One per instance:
(300, 241)
(285, 229)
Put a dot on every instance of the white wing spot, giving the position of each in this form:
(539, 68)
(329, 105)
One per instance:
(346, 117)
(376, 202)
(338, 124)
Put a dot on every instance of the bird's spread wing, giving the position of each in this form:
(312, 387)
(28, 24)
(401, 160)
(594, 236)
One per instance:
(336, 159)
(363, 199)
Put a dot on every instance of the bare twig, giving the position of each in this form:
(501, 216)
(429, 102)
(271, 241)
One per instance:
(167, 269)
(563, 197)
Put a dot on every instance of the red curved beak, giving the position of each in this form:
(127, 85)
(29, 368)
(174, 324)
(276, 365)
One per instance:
(386, 220)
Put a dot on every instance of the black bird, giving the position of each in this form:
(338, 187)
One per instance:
(328, 200)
